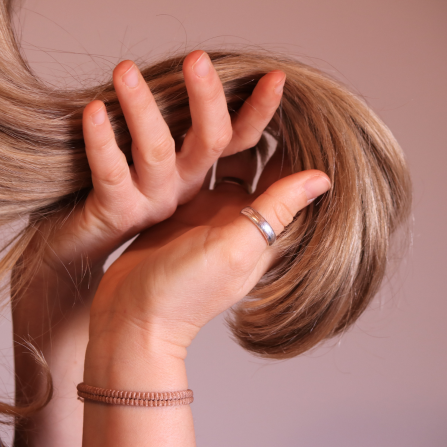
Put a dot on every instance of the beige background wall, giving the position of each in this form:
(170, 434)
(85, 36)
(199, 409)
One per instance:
(384, 383)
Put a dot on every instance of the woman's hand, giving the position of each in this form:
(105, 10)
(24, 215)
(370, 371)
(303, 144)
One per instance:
(126, 199)
(53, 311)
(170, 282)
(179, 275)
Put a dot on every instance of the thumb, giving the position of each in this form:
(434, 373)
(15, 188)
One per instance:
(278, 205)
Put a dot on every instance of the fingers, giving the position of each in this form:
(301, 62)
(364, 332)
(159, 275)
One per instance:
(211, 124)
(110, 171)
(212, 134)
(256, 113)
(278, 205)
(153, 148)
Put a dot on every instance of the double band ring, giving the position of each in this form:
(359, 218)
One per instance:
(261, 224)
(234, 181)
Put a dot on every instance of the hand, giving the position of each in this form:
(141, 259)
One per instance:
(53, 310)
(179, 275)
(170, 282)
(126, 199)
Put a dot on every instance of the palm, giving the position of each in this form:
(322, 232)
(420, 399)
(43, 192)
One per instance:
(175, 267)
(197, 242)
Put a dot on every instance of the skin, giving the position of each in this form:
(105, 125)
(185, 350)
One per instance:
(54, 311)
(169, 283)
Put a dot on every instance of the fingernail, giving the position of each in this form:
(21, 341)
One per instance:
(131, 77)
(280, 86)
(316, 186)
(99, 116)
(202, 66)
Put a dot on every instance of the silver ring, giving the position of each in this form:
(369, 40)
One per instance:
(261, 224)
(234, 181)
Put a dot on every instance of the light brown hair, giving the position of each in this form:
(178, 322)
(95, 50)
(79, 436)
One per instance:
(333, 260)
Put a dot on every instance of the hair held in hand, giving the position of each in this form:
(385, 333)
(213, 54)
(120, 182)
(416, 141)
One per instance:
(334, 256)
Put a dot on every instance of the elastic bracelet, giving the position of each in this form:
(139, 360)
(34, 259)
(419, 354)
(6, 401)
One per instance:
(135, 398)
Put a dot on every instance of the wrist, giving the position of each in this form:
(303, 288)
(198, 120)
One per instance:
(134, 360)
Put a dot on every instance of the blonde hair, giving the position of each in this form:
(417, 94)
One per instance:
(334, 258)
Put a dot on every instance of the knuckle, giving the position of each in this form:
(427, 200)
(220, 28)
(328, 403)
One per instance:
(107, 142)
(164, 205)
(115, 175)
(247, 137)
(237, 257)
(283, 213)
(223, 139)
(214, 97)
(266, 109)
(168, 207)
(146, 103)
(230, 261)
(217, 141)
(237, 261)
(232, 258)
(161, 152)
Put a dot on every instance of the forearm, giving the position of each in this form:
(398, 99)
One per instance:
(53, 315)
(134, 361)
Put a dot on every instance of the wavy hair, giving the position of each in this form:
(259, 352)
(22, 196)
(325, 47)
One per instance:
(334, 258)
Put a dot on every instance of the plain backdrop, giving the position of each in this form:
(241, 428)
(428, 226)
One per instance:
(383, 384)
